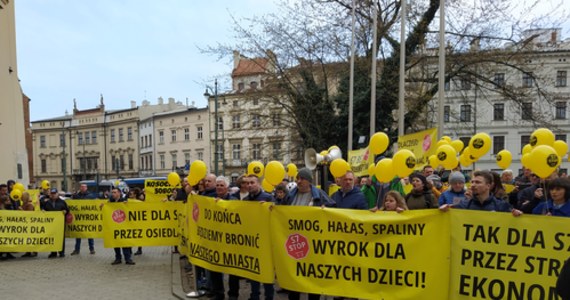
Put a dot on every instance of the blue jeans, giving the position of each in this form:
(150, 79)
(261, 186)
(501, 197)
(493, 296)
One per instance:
(78, 245)
(127, 251)
(268, 288)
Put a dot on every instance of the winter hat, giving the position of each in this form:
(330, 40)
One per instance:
(420, 177)
(456, 177)
(435, 179)
(305, 174)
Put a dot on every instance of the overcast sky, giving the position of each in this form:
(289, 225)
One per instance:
(126, 50)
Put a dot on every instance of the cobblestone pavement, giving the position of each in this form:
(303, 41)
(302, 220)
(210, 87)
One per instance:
(88, 276)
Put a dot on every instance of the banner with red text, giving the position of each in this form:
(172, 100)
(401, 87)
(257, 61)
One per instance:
(85, 219)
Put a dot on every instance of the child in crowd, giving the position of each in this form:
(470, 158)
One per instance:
(393, 201)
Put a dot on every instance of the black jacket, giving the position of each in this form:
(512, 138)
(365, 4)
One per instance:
(563, 283)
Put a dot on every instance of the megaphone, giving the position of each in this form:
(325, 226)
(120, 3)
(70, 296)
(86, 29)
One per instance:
(334, 153)
(312, 158)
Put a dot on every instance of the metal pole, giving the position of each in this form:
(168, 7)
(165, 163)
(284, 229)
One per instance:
(441, 75)
(401, 108)
(217, 125)
(373, 77)
(64, 161)
(84, 162)
(351, 83)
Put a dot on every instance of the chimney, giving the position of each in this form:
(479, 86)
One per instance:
(160, 101)
(237, 57)
(475, 44)
(133, 104)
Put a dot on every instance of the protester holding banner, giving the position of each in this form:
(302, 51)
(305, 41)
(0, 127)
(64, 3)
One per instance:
(349, 196)
(243, 188)
(482, 199)
(257, 194)
(27, 206)
(83, 193)
(55, 203)
(497, 188)
(280, 193)
(456, 191)
(421, 196)
(209, 186)
(369, 191)
(557, 204)
(394, 202)
(127, 251)
(529, 197)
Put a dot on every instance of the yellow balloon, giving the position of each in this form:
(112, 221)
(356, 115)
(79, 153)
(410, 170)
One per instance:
(445, 155)
(526, 149)
(291, 170)
(384, 170)
(543, 160)
(446, 138)
(197, 172)
(480, 144)
(268, 187)
(173, 179)
(441, 143)
(274, 172)
(504, 158)
(371, 169)
(560, 146)
(255, 168)
(16, 194)
(324, 152)
(432, 161)
(457, 145)
(451, 163)
(542, 136)
(339, 167)
(464, 160)
(19, 186)
(525, 159)
(404, 162)
(45, 184)
(378, 143)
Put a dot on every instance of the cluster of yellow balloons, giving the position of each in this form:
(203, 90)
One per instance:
(273, 173)
(543, 154)
(447, 150)
(17, 190)
(401, 164)
(198, 171)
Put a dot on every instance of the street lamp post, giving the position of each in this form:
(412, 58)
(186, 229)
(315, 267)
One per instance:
(207, 94)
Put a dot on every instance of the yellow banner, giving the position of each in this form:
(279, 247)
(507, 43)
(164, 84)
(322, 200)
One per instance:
(498, 256)
(141, 224)
(31, 231)
(359, 160)
(231, 237)
(359, 254)
(86, 220)
(157, 190)
(422, 144)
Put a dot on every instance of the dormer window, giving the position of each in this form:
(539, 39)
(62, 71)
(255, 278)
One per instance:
(253, 85)
(240, 86)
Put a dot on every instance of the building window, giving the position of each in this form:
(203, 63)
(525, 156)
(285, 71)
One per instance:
(199, 133)
(256, 151)
(113, 163)
(465, 115)
(561, 78)
(236, 151)
(235, 122)
(122, 161)
(174, 160)
(235, 103)
(499, 112)
(526, 113)
(255, 121)
(143, 141)
(447, 85)
(112, 137)
(528, 79)
(253, 85)
(173, 135)
(129, 134)
(87, 138)
(187, 157)
(220, 152)
(560, 110)
(561, 137)
(466, 83)
(220, 123)
(276, 150)
(446, 113)
(150, 140)
(186, 134)
(42, 141)
(161, 137)
(131, 162)
(498, 143)
(276, 119)
(121, 137)
(44, 166)
(499, 80)
(80, 138)
(62, 140)
(200, 155)
(241, 85)
(94, 137)
(162, 162)
(525, 139)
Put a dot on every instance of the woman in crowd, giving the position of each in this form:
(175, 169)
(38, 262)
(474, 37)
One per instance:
(420, 197)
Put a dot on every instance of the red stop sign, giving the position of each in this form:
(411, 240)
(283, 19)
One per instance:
(297, 246)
